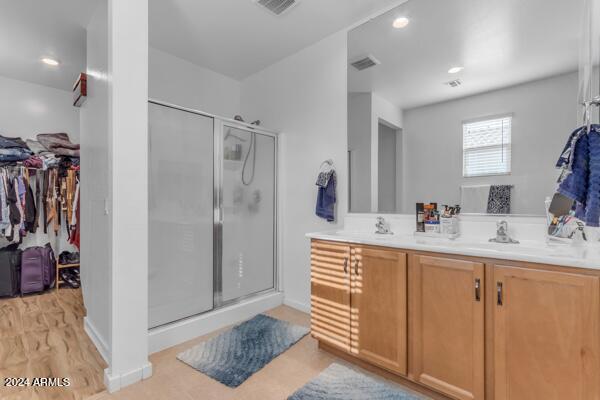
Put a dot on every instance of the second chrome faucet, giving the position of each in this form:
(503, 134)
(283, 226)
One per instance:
(502, 235)
(383, 227)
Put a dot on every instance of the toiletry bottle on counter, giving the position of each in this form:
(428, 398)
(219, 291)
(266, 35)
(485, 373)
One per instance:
(420, 217)
(432, 221)
(432, 226)
(449, 220)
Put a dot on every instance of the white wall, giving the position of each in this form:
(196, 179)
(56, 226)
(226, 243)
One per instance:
(387, 169)
(27, 109)
(359, 145)
(95, 185)
(180, 82)
(365, 112)
(544, 114)
(307, 102)
(128, 149)
(382, 111)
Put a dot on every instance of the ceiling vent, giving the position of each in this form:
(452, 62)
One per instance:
(454, 83)
(277, 7)
(364, 63)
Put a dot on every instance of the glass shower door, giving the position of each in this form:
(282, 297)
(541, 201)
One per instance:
(247, 254)
(181, 214)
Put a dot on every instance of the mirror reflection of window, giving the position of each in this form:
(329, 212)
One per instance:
(487, 147)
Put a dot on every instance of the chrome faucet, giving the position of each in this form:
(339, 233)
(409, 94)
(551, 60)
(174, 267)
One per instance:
(502, 234)
(383, 228)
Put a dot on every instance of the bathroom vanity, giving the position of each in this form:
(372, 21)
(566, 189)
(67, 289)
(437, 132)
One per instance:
(465, 320)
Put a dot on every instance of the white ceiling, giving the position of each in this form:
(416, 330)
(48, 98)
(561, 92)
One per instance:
(32, 29)
(500, 43)
(238, 38)
(234, 37)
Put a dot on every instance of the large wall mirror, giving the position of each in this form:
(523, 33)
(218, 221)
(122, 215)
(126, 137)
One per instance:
(462, 102)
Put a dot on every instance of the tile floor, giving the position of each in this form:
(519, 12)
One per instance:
(173, 379)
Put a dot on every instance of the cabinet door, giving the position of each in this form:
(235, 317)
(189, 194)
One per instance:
(379, 330)
(330, 293)
(447, 325)
(546, 335)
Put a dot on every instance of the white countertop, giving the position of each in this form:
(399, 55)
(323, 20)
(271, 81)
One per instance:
(585, 255)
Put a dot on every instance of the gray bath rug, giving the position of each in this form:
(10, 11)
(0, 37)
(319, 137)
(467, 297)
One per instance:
(338, 382)
(233, 356)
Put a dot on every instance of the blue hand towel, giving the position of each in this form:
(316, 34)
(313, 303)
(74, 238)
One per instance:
(582, 184)
(575, 184)
(326, 199)
(592, 215)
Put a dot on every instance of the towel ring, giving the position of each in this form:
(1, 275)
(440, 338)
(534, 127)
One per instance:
(328, 162)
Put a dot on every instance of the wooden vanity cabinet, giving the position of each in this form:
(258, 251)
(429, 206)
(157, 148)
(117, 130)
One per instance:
(545, 335)
(460, 327)
(446, 300)
(358, 302)
(379, 314)
(330, 293)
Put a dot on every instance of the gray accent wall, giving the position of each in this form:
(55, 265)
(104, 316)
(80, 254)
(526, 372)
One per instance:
(544, 114)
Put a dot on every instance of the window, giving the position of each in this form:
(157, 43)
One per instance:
(486, 147)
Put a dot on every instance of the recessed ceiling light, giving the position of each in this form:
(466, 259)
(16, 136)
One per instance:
(50, 61)
(401, 22)
(455, 70)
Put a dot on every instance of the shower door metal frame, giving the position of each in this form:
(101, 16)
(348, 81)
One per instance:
(220, 125)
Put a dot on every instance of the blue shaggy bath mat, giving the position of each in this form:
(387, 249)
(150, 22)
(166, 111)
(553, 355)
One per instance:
(342, 383)
(233, 356)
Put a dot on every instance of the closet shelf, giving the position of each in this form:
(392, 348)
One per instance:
(62, 266)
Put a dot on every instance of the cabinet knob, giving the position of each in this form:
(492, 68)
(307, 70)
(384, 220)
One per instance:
(477, 289)
(499, 293)
(356, 267)
(346, 265)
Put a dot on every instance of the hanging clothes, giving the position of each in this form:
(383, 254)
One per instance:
(36, 183)
(30, 209)
(74, 237)
(4, 213)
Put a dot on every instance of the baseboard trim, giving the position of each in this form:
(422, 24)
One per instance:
(96, 338)
(173, 334)
(305, 308)
(115, 383)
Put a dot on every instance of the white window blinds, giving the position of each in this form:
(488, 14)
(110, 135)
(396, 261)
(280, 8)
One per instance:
(487, 147)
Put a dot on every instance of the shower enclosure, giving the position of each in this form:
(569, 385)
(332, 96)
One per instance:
(212, 212)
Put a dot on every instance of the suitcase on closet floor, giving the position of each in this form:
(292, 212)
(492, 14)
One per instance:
(38, 269)
(10, 271)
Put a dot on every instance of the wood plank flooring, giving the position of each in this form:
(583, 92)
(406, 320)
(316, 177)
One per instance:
(42, 336)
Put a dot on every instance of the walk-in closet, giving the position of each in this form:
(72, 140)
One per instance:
(44, 349)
